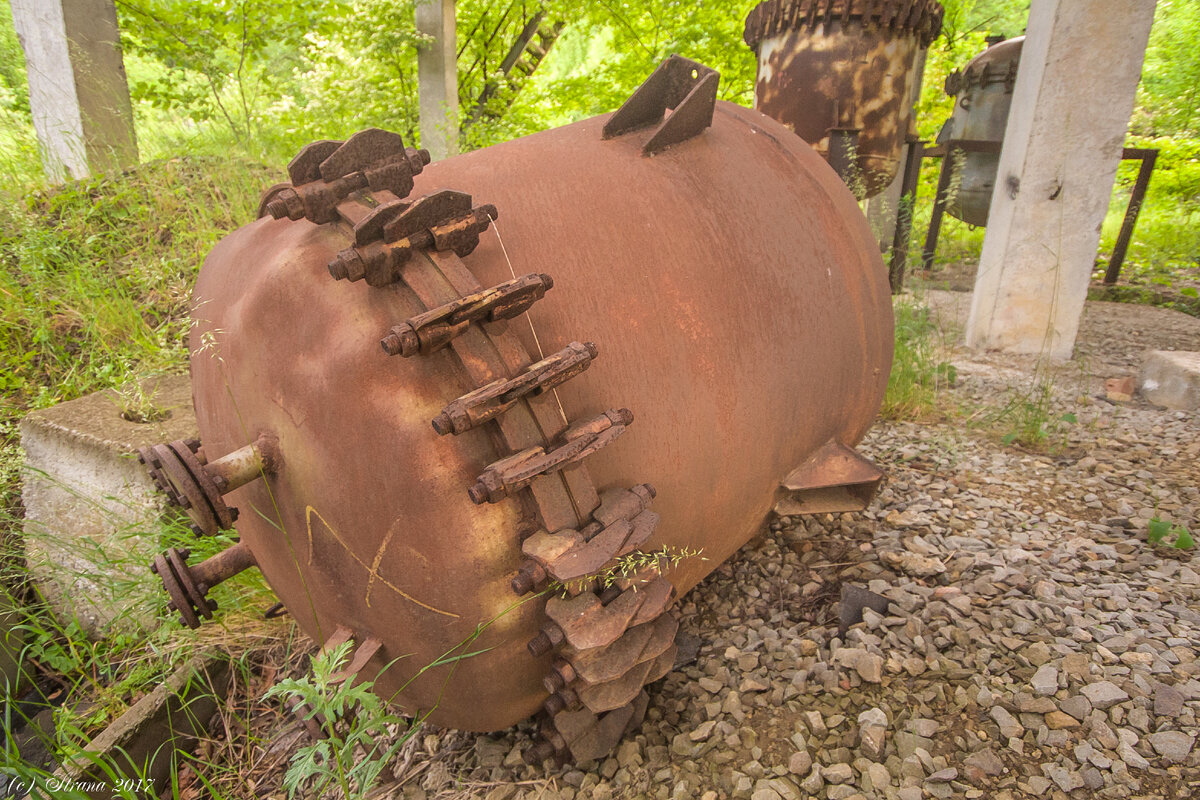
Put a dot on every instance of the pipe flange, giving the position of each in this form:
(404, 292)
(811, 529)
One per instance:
(185, 484)
(224, 514)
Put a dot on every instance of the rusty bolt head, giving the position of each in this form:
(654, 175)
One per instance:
(197, 530)
(623, 416)
(185, 553)
(540, 645)
(154, 567)
(553, 682)
(340, 267)
(529, 576)
(554, 704)
(591, 348)
(401, 341)
(417, 159)
(287, 203)
(478, 493)
(233, 514)
(442, 424)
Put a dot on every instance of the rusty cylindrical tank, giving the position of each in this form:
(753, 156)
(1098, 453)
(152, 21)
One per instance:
(705, 271)
(984, 93)
(839, 74)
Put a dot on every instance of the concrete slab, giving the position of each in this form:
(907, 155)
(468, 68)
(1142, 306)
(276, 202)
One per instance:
(1171, 378)
(144, 745)
(91, 512)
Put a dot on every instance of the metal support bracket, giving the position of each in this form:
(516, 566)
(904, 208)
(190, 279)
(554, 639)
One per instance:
(687, 88)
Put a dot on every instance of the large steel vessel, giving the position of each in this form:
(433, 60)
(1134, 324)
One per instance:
(636, 334)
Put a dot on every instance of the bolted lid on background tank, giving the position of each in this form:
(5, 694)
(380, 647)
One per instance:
(997, 64)
(923, 18)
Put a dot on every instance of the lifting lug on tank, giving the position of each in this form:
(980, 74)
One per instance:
(180, 470)
(188, 587)
(429, 332)
(509, 475)
(324, 173)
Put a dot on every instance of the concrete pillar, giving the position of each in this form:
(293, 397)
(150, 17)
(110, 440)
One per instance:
(437, 78)
(77, 86)
(1071, 104)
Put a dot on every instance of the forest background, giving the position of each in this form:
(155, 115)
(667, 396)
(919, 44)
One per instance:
(95, 275)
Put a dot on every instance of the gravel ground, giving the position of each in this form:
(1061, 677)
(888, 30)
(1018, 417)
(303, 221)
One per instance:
(1035, 644)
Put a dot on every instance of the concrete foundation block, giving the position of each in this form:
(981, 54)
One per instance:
(143, 747)
(92, 515)
(1171, 378)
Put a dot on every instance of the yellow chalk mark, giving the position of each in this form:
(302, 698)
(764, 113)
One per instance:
(375, 565)
(372, 570)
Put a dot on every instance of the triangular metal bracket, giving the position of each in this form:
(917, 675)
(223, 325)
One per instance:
(686, 87)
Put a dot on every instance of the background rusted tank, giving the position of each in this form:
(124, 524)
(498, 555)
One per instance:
(983, 92)
(720, 283)
(839, 73)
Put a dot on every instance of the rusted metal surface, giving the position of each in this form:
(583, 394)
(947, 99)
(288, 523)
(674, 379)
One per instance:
(324, 173)
(387, 236)
(512, 473)
(493, 399)
(983, 93)
(180, 470)
(434, 329)
(188, 587)
(1148, 157)
(839, 74)
(685, 88)
(736, 233)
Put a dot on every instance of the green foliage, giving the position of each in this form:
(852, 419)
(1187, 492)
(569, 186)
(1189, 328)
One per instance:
(1160, 531)
(219, 58)
(1028, 417)
(96, 276)
(361, 734)
(921, 370)
(1170, 90)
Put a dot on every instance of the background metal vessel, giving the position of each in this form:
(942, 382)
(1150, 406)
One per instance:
(983, 92)
(738, 306)
(839, 74)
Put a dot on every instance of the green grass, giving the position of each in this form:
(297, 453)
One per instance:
(96, 276)
(921, 371)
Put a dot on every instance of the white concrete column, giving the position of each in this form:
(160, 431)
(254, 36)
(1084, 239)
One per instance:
(437, 78)
(1074, 93)
(77, 87)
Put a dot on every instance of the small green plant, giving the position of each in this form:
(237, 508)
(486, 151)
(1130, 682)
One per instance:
(1028, 418)
(359, 729)
(920, 373)
(137, 404)
(1160, 531)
